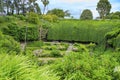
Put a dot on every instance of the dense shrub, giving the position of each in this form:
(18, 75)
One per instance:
(8, 44)
(35, 44)
(55, 53)
(50, 18)
(6, 19)
(12, 30)
(33, 18)
(113, 38)
(18, 32)
(116, 41)
(82, 66)
(32, 33)
(83, 31)
(21, 17)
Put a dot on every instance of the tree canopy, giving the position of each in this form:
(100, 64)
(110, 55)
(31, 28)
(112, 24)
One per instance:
(19, 6)
(103, 8)
(45, 3)
(86, 15)
(113, 15)
(59, 12)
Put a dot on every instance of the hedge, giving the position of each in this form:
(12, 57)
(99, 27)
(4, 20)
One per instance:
(84, 31)
(18, 32)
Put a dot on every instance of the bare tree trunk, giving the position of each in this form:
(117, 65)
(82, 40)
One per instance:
(44, 10)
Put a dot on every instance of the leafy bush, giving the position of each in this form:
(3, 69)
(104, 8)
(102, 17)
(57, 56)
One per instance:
(50, 18)
(12, 30)
(82, 66)
(55, 53)
(62, 48)
(32, 33)
(113, 37)
(21, 17)
(6, 19)
(35, 44)
(33, 18)
(8, 44)
(47, 47)
(18, 32)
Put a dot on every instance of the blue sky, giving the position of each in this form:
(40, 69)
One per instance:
(77, 6)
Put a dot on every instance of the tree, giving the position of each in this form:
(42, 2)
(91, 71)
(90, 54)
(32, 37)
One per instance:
(45, 3)
(86, 15)
(7, 5)
(17, 6)
(59, 12)
(115, 15)
(67, 13)
(1, 6)
(37, 8)
(103, 8)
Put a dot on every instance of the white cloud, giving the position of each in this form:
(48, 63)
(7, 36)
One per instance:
(77, 6)
(76, 1)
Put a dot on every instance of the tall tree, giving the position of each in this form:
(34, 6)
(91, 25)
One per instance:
(103, 8)
(45, 3)
(7, 5)
(17, 6)
(23, 6)
(34, 7)
(1, 6)
(59, 12)
(37, 8)
(86, 15)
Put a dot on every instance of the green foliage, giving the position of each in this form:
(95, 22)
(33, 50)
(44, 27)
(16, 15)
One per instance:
(86, 15)
(113, 37)
(103, 8)
(35, 44)
(21, 68)
(90, 31)
(115, 15)
(82, 66)
(55, 53)
(8, 44)
(58, 12)
(50, 18)
(1, 6)
(116, 42)
(12, 30)
(21, 17)
(4, 19)
(33, 18)
(32, 33)
(18, 32)
(117, 73)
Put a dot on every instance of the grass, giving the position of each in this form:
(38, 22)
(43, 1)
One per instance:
(18, 67)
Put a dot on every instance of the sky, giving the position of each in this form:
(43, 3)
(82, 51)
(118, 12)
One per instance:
(76, 7)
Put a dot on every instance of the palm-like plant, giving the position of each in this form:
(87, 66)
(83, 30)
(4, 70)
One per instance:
(45, 3)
